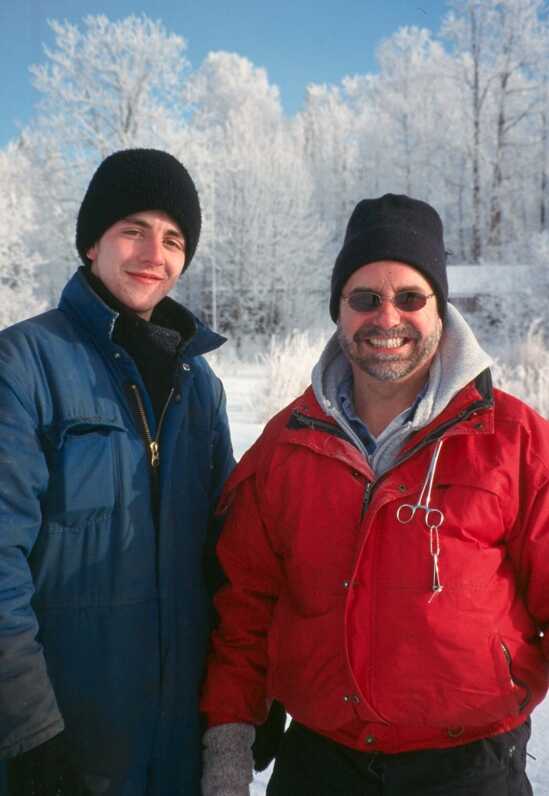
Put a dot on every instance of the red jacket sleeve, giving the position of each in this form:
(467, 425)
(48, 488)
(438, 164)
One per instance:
(235, 687)
(528, 547)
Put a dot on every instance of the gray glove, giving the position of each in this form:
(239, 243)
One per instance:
(228, 760)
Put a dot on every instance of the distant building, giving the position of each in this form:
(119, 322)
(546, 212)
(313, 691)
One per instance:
(469, 284)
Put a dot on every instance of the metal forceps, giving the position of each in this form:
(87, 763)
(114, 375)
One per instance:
(433, 518)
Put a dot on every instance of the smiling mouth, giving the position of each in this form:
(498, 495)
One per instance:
(391, 343)
(387, 342)
(144, 277)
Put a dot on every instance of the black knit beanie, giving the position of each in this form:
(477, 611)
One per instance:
(134, 180)
(393, 227)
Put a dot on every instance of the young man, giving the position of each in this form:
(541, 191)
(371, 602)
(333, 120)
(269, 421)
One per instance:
(114, 445)
(387, 550)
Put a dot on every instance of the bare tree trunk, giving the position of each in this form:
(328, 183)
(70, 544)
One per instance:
(407, 153)
(461, 221)
(544, 159)
(476, 244)
(494, 234)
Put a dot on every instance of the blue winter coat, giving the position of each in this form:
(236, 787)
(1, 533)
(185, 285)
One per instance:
(104, 618)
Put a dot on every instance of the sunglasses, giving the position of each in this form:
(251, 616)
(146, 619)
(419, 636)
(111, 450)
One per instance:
(369, 301)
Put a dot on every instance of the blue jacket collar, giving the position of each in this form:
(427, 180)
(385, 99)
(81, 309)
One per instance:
(86, 308)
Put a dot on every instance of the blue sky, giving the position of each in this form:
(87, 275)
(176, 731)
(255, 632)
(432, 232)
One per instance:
(297, 41)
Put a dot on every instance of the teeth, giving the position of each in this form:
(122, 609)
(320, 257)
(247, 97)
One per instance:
(386, 342)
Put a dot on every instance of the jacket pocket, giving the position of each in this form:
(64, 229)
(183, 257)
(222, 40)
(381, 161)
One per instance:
(521, 689)
(83, 473)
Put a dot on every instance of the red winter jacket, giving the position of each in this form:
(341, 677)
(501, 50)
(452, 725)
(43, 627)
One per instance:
(330, 607)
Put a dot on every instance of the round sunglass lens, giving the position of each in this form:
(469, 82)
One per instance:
(410, 302)
(364, 301)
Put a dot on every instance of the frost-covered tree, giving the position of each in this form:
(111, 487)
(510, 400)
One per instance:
(540, 142)
(109, 85)
(459, 119)
(403, 119)
(496, 48)
(411, 64)
(19, 261)
(331, 151)
(104, 86)
(257, 199)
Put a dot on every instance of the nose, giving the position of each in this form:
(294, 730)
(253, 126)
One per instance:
(152, 250)
(387, 315)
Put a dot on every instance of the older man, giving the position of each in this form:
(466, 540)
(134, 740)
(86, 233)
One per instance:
(386, 547)
(114, 445)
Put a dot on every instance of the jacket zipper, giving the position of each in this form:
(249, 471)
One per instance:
(516, 682)
(152, 443)
(367, 496)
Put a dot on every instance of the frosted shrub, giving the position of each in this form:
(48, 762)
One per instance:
(287, 366)
(525, 370)
(223, 361)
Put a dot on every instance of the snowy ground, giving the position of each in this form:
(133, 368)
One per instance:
(241, 387)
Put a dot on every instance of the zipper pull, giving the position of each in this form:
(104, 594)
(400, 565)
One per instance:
(155, 453)
(366, 499)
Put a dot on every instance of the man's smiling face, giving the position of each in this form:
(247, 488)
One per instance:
(389, 344)
(139, 259)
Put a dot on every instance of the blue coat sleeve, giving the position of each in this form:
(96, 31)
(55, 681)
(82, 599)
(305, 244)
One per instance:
(222, 454)
(28, 709)
(222, 465)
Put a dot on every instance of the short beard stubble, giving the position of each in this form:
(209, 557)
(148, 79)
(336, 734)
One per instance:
(389, 366)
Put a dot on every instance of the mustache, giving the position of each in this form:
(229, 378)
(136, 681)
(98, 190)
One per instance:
(370, 330)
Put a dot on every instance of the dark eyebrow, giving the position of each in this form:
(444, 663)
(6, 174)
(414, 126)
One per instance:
(139, 222)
